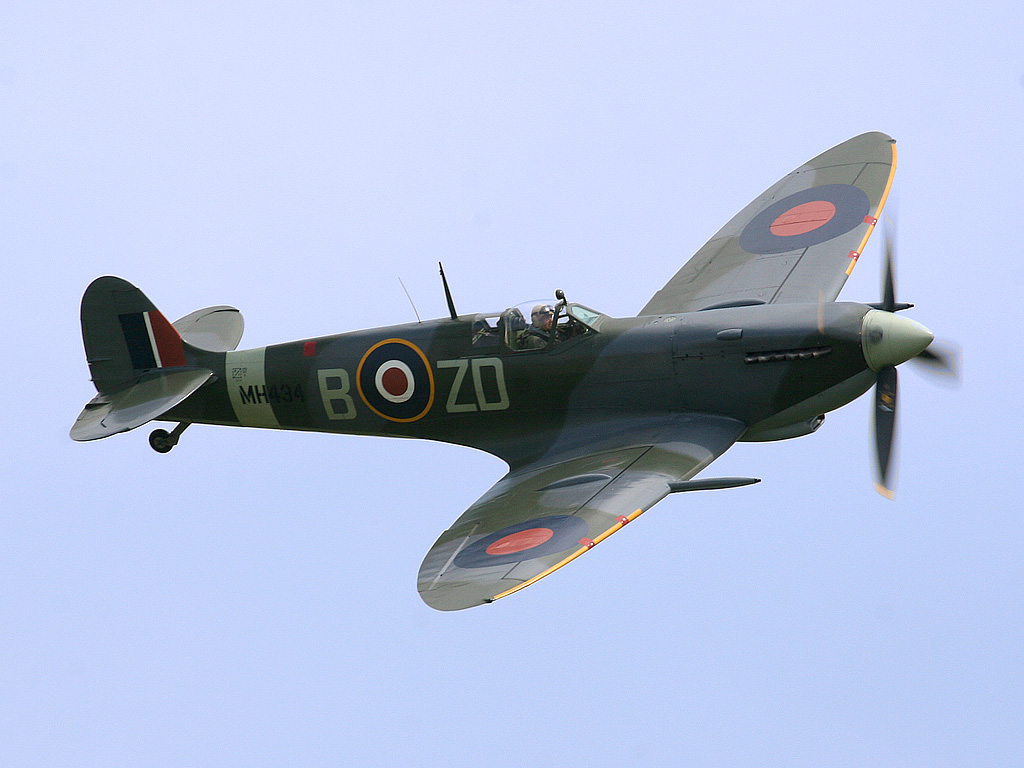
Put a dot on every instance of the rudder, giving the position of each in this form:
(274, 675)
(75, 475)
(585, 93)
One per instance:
(125, 335)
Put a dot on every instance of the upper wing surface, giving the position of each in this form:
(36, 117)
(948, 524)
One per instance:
(798, 241)
(539, 517)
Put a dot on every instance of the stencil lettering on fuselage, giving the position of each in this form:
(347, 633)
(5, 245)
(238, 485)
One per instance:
(488, 377)
(335, 393)
(247, 388)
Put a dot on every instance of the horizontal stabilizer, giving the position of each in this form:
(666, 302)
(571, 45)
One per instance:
(215, 329)
(154, 394)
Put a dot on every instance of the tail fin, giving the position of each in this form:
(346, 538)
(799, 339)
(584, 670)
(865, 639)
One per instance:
(139, 362)
(125, 335)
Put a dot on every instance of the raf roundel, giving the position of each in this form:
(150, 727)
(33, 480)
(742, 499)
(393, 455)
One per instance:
(809, 217)
(395, 381)
(524, 541)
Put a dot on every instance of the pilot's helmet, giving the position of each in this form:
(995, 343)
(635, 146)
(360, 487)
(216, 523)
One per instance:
(542, 316)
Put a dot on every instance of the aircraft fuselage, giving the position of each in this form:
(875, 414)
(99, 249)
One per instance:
(443, 380)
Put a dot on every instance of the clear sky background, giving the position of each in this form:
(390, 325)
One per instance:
(249, 599)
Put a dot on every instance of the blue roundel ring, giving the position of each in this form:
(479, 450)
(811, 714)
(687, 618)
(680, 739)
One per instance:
(555, 534)
(394, 379)
(850, 206)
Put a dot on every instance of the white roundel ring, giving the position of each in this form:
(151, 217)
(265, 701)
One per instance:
(394, 381)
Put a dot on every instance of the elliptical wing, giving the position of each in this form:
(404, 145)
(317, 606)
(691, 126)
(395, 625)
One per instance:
(798, 241)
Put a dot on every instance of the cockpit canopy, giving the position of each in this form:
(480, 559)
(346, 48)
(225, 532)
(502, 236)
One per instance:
(519, 328)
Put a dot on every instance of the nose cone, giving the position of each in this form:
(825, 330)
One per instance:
(888, 339)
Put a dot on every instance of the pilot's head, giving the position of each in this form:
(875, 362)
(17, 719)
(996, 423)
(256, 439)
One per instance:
(542, 316)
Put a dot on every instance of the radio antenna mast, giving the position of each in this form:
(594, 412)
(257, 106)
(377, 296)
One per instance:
(448, 293)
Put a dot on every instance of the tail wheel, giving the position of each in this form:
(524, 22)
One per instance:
(160, 440)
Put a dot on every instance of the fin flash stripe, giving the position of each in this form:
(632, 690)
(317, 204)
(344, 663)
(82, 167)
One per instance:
(151, 340)
(166, 340)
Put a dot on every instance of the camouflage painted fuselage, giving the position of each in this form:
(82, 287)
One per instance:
(776, 368)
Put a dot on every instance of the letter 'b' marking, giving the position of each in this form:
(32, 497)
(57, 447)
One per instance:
(334, 391)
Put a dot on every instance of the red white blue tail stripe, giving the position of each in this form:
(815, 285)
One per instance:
(152, 341)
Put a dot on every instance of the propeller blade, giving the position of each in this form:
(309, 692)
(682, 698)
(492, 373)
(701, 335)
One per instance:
(943, 359)
(885, 429)
(888, 278)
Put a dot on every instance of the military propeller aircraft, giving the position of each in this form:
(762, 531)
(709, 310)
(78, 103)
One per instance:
(598, 417)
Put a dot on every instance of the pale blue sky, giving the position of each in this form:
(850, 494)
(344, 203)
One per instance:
(249, 599)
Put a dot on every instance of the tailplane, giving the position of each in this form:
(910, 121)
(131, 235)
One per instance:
(215, 329)
(153, 394)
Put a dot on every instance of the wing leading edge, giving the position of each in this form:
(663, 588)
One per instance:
(544, 515)
(798, 241)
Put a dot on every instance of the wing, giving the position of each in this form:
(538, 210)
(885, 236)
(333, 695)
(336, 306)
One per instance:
(541, 516)
(798, 241)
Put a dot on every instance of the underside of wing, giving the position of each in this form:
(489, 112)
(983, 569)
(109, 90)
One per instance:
(540, 517)
(798, 241)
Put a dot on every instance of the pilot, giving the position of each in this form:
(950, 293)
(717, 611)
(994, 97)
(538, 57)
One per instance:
(538, 333)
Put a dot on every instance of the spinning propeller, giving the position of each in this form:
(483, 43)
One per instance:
(889, 340)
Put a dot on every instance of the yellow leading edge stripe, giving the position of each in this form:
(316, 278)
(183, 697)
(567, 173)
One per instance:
(877, 215)
(629, 518)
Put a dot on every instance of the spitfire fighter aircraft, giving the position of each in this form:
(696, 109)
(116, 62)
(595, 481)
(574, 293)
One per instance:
(598, 417)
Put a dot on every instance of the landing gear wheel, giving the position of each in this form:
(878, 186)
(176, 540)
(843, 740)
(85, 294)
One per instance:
(160, 440)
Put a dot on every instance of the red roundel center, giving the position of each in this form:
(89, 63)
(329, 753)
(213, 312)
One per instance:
(520, 540)
(394, 381)
(803, 218)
